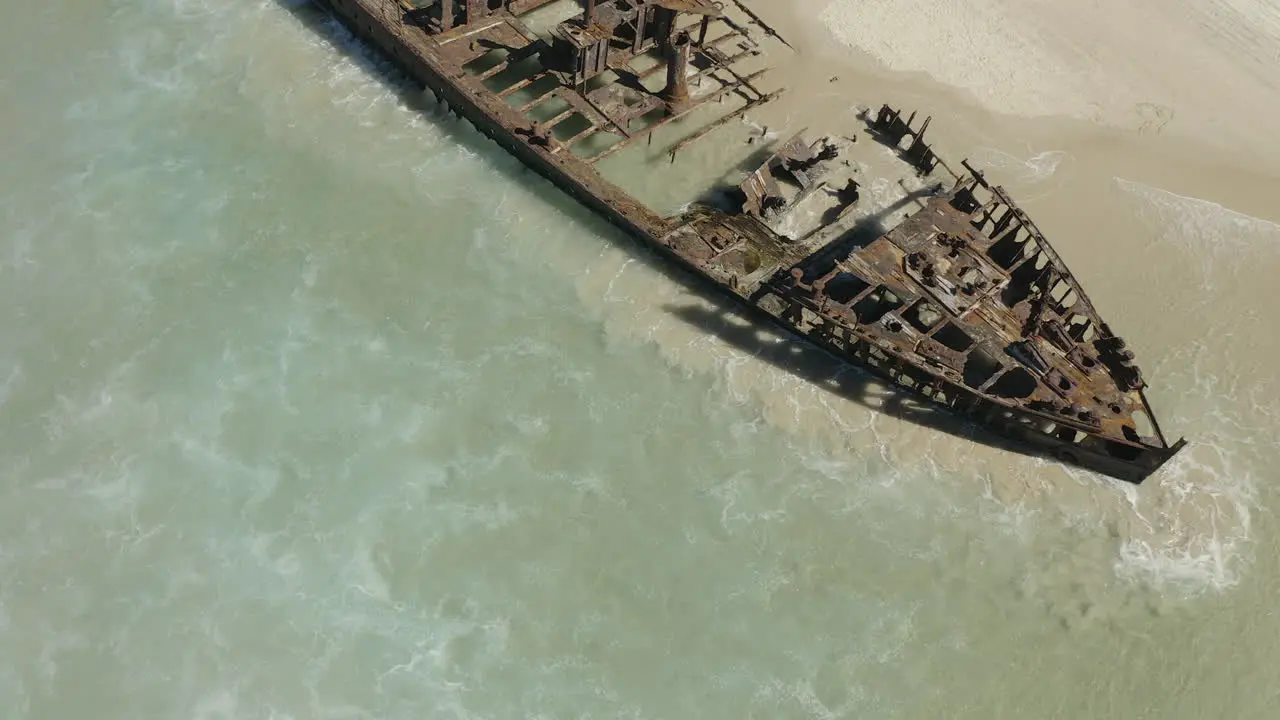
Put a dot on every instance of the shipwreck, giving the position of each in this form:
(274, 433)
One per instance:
(963, 302)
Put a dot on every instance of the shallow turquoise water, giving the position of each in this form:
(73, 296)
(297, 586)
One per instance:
(316, 405)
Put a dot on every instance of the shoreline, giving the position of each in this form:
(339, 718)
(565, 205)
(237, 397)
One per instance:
(1245, 179)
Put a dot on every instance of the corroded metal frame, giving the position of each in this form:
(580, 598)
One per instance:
(965, 302)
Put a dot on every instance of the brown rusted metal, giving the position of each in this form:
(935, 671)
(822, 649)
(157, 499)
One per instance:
(762, 196)
(676, 93)
(755, 20)
(964, 302)
(698, 7)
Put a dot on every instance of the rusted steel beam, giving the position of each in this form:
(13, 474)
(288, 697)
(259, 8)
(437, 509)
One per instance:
(570, 142)
(520, 7)
(446, 15)
(584, 106)
(672, 118)
(758, 22)
(752, 105)
(731, 35)
(732, 59)
(557, 93)
(620, 128)
(504, 65)
(462, 32)
(724, 63)
(521, 84)
(1155, 424)
(715, 64)
(551, 123)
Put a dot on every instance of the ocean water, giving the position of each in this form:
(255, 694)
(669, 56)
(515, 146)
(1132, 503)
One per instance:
(317, 405)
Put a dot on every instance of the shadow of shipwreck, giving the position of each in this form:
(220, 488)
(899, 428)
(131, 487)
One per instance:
(816, 365)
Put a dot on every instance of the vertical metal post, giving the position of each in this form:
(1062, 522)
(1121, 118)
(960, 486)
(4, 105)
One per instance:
(676, 93)
(589, 17)
(446, 15)
(642, 23)
(664, 24)
(702, 30)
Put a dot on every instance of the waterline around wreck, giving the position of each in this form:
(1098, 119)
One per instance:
(317, 405)
(964, 302)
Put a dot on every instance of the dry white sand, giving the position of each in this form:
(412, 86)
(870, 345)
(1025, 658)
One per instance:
(1207, 68)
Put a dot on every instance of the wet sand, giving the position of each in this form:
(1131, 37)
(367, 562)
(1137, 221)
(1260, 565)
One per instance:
(1204, 71)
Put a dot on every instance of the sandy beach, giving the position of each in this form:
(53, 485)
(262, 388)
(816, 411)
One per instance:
(1205, 70)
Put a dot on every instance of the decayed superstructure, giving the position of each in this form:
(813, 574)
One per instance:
(964, 302)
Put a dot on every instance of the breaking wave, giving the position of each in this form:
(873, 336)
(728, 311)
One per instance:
(1202, 226)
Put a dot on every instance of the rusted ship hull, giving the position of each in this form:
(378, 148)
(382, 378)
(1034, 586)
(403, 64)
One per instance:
(959, 304)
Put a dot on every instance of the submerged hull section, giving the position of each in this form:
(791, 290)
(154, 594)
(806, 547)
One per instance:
(964, 303)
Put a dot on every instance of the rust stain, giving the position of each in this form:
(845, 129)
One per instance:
(965, 302)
